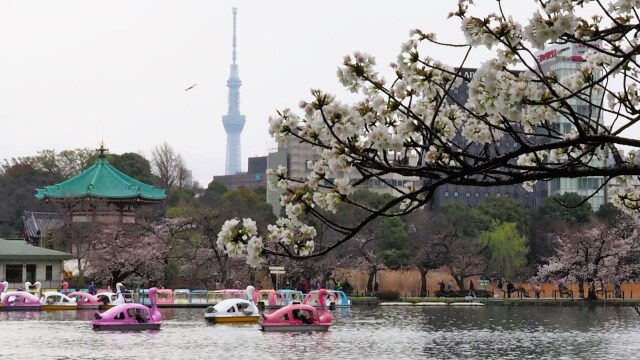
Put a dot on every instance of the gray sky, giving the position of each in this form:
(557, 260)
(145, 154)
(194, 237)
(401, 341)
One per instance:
(76, 72)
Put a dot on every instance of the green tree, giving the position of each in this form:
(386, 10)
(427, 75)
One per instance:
(393, 243)
(506, 249)
(505, 209)
(134, 165)
(213, 193)
(568, 207)
(17, 188)
(63, 164)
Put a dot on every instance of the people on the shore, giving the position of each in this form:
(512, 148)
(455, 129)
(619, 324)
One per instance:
(65, 286)
(472, 289)
(536, 290)
(510, 288)
(442, 286)
(617, 289)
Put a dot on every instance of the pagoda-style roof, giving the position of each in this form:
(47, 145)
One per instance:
(35, 224)
(19, 249)
(102, 181)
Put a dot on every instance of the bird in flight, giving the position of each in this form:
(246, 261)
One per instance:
(190, 87)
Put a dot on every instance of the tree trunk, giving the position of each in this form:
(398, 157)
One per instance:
(373, 269)
(459, 279)
(592, 291)
(580, 287)
(423, 281)
(325, 279)
(80, 271)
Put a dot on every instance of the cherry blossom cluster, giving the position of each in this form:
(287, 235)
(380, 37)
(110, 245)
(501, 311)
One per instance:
(415, 116)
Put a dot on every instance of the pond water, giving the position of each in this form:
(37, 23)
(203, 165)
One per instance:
(407, 332)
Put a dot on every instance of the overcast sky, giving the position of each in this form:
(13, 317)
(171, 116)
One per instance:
(73, 73)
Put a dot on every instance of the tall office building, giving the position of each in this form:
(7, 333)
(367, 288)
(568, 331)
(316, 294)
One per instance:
(564, 60)
(233, 122)
(474, 195)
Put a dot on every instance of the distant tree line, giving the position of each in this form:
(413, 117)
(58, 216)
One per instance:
(175, 244)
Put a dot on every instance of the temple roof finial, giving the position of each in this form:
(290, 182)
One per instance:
(102, 150)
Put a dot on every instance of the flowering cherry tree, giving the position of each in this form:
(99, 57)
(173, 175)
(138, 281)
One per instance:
(411, 125)
(119, 251)
(598, 252)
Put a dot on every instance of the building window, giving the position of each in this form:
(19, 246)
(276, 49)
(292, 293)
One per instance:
(497, 194)
(477, 194)
(486, 194)
(588, 183)
(455, 194)
(48, 276)
(446, 194)
(467, 194)
(14, 273)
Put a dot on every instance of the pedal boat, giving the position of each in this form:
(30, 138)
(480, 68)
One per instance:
(299, 317)
(20, 301)
(86, 301)
(130, 316)
(53, 300)
(234, 310)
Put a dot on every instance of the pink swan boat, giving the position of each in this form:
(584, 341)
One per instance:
(299, 317)
(130, 316)
(269, 299)
(20, 301)
(85, 300)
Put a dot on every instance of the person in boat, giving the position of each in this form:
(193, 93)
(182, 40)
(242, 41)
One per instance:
(91, 289)
(305, 317)
(139, 317)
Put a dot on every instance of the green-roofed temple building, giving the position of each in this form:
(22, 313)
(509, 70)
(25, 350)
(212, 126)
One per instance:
(101, 194)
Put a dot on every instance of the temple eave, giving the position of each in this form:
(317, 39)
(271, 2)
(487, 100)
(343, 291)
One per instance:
(128, 200)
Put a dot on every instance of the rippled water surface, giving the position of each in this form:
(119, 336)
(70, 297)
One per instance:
(359, 333)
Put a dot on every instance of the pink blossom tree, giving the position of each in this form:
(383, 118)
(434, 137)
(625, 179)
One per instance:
(596, 252)
(120, 251)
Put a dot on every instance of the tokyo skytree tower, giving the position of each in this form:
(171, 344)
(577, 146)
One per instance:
(233, 122)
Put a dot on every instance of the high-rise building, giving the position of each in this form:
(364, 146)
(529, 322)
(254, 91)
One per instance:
(233, 122)
(565, 60)
(296, 155)
(474, 195)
